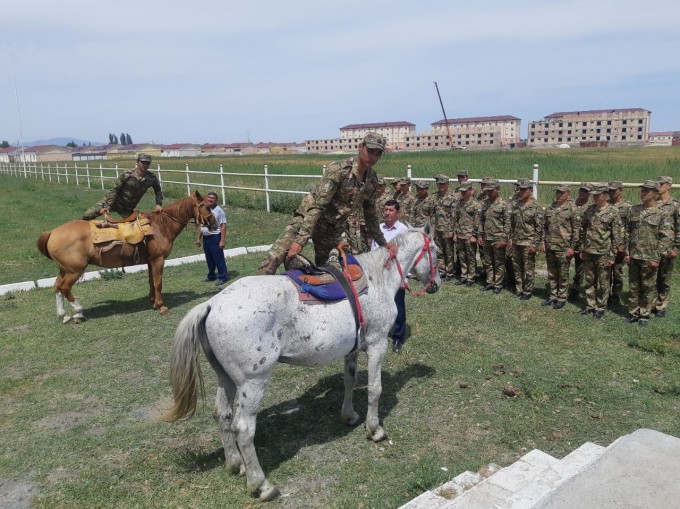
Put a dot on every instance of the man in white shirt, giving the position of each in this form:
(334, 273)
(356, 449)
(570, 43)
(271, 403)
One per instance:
(213, 242)
(390, 229)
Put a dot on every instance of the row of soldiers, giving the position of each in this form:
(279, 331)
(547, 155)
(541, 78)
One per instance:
(601, 237)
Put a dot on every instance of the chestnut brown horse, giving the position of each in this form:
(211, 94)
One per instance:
(70, 246)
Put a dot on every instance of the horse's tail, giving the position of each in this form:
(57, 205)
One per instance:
(42, 243)
(186, 378)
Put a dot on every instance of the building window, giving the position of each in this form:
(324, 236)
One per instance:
(609, 122)
(599, 122)
(639, 136)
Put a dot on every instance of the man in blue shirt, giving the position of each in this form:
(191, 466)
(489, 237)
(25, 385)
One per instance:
(390, 229)
(213, 242)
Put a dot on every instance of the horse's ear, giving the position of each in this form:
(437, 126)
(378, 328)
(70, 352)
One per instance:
(198, 196)
(427, 228)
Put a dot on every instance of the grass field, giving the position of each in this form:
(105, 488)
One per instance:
(79, 403)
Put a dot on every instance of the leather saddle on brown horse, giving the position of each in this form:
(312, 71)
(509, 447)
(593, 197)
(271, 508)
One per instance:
(111, 232)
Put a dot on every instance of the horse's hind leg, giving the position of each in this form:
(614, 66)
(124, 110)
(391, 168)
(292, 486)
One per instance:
(376, 353)
(246, 405)
(63, 285)
(224, 416)
(348, 415)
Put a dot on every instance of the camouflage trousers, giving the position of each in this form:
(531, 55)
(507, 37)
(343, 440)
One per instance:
(663, 283)
(357, 238)
(617, 280)
(509, 269)
(95, 212)
(493, 259)
(325, 238)
(596, 280)
(524, 264)
(467, 251)
(577, 282)
(558, 274)
(445, 254)
(642, 288)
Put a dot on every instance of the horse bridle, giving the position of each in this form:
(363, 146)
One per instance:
(197, 218)
(433, 267)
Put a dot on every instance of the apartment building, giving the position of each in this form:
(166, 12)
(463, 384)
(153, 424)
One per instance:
(627, 126)
(394, 132)
(472, 132)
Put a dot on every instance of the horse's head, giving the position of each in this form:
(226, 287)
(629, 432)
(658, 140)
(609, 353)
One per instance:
(425, 265)
(202, 214)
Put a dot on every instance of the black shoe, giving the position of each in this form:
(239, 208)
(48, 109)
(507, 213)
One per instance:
(496, 291)
(585, 311)
(548, 302)
(573, 295)
(487, 288)
(643, 322)
(221, 282)
(558, 305)
(208, 280)
(445, 278)
(469, 283)
(633, 319)
(598, 314)
(659, 313)
(460, 282)
(525, 296)
(397, 344)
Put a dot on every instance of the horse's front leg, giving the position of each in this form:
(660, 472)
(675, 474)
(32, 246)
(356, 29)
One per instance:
(348, 415)
(376, 353)
(156, 284)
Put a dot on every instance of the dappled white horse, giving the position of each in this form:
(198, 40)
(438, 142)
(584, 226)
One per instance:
(259, 321)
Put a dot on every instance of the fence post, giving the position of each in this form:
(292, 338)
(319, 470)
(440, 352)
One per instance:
(188, 181)
(266, 186)
(535, 179)
(75, 165)
(49, 171)
(160, 178)
(224, 197)
(56, 169)
(87, 172)
(408, 171)
(116, 170)
(66, 172)
(101, 175)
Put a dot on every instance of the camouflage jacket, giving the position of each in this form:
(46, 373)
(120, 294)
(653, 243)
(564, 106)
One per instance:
(495, 221)
(580, 210)
(128, 190)
(466, 219)
(406, 203)
(672, 206)
(420, 214)
(380, 203)
(561, 227)
(333, 197)
(441, 211)
(601, 232)
(526, 224)
(624, 209)
(649, 233)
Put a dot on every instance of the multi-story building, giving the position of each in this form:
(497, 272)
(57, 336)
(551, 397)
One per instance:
(667, 138)
(628, 126)
(473, 132)
(394, 132)
(333, 145)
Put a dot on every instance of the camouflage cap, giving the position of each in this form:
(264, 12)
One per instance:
(145, 158)
(441, 179)
(405, 181)
(524, 183)
(462, 173)
(599, 188)
(651, 184)
(485, 180)
(491, 184)
(615, 184)
(563, 188)
(464, 187)
(421, 184)
(585, 186)
(664, 180)
(381, 180)
(375, 140)
(395, 182)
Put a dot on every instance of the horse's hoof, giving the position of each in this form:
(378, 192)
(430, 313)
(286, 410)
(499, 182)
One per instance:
(352, 420)
(269, 492)
(163, 310)
(78, 319)
(236, 469)
(377, 435)
(66, 319)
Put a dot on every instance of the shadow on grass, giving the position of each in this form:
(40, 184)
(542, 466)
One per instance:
(108, 308)
(312, 419)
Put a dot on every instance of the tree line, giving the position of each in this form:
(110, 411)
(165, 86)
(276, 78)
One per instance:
(124, 139)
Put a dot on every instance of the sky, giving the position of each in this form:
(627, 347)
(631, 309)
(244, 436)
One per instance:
(219, 71)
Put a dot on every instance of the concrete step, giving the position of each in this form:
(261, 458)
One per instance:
(434, 499)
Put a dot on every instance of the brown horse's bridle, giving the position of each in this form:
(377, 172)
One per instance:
(198, 219)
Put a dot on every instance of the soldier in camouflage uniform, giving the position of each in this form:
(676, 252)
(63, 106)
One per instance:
(494, 235)
(581, 205)
(406, 201)
(382, 196)
(420, 213)
(649, 239)
(665, 272)
(509, 267)
(526, 233)
(466, 230)
(323, 212)
(440, 207)
(561, 236)
(128, 190)
(600, 239)
(615, 198)
(355, 231)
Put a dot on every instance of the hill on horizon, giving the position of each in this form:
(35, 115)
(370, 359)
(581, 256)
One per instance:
(62, 142)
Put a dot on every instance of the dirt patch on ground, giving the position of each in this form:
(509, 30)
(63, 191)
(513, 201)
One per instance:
(63, 422)
(17, 494)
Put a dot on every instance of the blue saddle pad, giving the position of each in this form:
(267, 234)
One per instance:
(328, 292)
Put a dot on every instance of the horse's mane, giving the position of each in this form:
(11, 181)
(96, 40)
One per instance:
(379, 257)
(162, 220)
